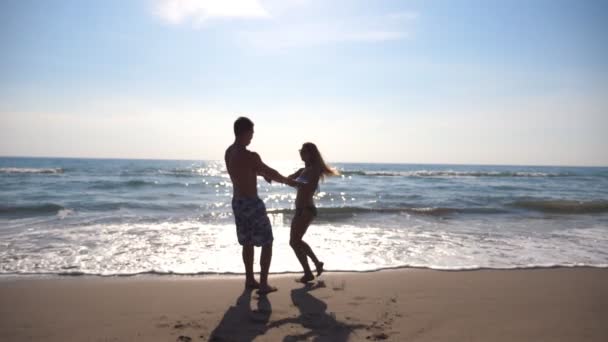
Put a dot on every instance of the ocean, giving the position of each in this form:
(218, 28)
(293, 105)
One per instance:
(125, 217)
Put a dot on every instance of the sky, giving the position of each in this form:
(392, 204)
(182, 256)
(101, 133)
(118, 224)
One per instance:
(460, 82)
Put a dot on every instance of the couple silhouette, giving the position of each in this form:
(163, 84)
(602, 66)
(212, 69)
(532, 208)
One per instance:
(253, 227)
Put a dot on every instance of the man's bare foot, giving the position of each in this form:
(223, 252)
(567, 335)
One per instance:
(266, 289)
(320, 268)
(306, 278)
(252, 284)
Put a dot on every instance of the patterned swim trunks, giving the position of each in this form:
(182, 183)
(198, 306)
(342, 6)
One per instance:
(252, 223)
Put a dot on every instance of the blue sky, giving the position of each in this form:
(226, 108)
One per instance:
(491, 82)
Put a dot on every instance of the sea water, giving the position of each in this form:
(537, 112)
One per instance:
(124, 217)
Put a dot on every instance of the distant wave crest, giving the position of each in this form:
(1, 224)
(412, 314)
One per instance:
(564, 206)
(450, 173)
(25, 170)
(547, 206)
(134, 183)
(193, 172)
(140, 183)
(431, 211)
(30, 210)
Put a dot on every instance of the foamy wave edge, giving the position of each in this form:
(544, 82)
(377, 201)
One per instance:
(404, 267)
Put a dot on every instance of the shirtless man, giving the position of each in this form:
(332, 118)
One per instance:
(252, 224)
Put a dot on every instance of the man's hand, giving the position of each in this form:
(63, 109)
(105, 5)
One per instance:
(291, 182)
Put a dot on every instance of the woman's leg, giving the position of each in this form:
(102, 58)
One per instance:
(299, 225)
(308, 251)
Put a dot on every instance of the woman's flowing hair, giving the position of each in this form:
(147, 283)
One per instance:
(317, 157)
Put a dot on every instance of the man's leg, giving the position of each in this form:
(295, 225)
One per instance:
(265, 259)
(248, 261)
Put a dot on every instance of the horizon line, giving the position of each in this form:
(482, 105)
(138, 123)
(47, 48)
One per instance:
(281, 160)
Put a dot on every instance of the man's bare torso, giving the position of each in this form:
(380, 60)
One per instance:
(241, 167)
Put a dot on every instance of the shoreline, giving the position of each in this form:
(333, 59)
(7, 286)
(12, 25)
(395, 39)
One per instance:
(557, 304)
(214, 275)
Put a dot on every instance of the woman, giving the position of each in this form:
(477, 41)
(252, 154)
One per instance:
(308, 179)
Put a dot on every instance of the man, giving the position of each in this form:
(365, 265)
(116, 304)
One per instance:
(252, 224)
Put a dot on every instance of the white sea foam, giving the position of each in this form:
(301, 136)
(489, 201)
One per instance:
(63, 213)
(190, 247)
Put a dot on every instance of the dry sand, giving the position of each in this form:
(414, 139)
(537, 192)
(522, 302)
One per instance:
(396, 305)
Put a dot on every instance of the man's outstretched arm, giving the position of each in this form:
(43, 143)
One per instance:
(270, 173)
(296, 174)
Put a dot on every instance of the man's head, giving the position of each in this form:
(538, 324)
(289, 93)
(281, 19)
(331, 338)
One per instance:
(243, 130)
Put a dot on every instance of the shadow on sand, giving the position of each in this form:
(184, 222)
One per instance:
(323, 325)
(240, 323)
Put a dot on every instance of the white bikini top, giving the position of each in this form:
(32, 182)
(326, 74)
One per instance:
(302, 179)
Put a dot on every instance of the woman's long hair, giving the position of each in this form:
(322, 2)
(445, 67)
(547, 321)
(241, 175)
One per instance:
(318, 158)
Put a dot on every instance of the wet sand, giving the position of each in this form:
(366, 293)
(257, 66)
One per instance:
(563, 304)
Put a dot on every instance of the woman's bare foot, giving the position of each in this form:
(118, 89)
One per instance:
(306, 278)
(266, 289)
(319, 268)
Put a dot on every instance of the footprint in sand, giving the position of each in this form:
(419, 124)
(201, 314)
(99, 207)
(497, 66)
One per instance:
(191, 324)
(339, 287)
(357, 301)
(162, 323)
(384, 322)
(377, 337)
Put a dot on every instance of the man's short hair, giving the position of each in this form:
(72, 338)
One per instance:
(242, 125)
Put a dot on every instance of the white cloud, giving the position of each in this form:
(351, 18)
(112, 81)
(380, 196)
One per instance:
(303, 36)
(294, 24)
(277, 8)
(198, 11)
(373, 36)
(403, 15)
(306, 32)
(324, 23)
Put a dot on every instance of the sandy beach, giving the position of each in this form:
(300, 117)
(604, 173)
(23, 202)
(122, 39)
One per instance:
(397, 305)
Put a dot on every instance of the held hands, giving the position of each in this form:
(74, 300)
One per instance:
(291, 182)
(286, 180)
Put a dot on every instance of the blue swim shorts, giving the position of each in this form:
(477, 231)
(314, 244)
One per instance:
(252, 223)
